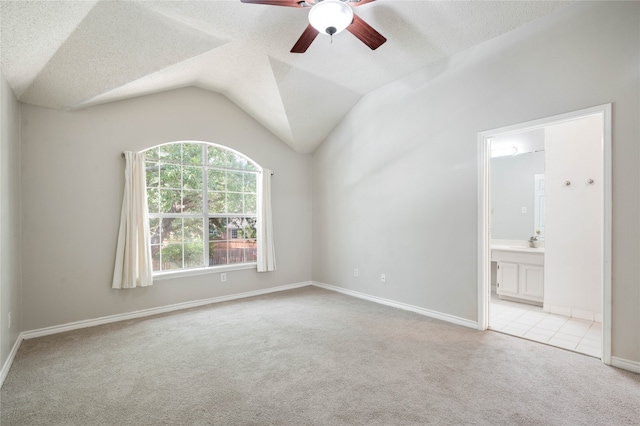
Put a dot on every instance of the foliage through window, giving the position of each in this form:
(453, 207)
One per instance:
(202, 206)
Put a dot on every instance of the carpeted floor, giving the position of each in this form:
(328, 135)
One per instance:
(307, 357)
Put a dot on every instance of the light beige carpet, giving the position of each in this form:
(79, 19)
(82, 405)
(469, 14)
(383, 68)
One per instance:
(307, 357)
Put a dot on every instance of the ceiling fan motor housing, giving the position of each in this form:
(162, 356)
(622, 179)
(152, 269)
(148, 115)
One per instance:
(331, 16)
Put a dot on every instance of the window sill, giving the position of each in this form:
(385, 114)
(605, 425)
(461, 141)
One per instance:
(159, 276)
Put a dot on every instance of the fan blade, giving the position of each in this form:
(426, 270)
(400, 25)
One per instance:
(359, 2)
(366, 33)
(305, 40)
(288, 3)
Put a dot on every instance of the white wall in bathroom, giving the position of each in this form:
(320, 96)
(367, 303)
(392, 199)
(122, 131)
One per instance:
(573, 258)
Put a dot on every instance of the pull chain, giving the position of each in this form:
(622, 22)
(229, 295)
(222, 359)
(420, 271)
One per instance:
(331, 31)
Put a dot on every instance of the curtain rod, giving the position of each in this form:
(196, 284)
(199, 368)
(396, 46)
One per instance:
(122, 155)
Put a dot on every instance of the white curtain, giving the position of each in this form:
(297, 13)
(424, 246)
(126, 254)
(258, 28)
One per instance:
(133, 256)
(266, 250)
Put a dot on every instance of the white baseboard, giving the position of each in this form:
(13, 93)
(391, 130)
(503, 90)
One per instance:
(625, 364)
(422, 311)
(572, 312)
(558, 310)
(154, 311)
(9, 361)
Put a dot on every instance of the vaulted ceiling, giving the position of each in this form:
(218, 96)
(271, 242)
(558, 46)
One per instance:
(68, 55)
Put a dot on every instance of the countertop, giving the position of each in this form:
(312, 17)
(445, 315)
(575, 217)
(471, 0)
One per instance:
(517, 248)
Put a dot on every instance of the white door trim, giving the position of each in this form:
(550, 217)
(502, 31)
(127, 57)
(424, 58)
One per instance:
(484, 215)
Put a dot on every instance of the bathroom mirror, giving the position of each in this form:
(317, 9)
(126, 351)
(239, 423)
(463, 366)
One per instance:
(517, 186)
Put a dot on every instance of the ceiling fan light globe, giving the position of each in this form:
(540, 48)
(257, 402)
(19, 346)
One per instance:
(330, 16)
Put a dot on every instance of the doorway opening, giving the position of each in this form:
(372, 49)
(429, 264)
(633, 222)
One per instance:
(548, 256)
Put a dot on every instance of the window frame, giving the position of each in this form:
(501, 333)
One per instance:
(205, 215)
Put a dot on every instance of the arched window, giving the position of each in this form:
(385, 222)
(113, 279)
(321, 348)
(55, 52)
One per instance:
(202, 206)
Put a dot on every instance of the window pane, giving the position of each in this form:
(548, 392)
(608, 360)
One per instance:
(171, 231)
(192, 201)
(193, 229)
(234, 181)
(242, 227)
(250, 203)
(151, 154)
(250, 182)
(171, 152)
(217, 228)
(251, 251)
(248, 228)
(215, 180)
(242, 251)
(216, 203)
(236, 252)
(170, 176)
(218, 253)
(192, 177)
(155, 255)
(216, 156)
(192, 153)
(234, 203)
(170, 201)
(250, 166)
(171, 257)
(194, 254)
(234, 228)
(153, 174)
(236, 161)
(153, 200)
(154, 231)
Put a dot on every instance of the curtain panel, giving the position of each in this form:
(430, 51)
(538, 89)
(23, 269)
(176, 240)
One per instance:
(266, 250)
(134, 267)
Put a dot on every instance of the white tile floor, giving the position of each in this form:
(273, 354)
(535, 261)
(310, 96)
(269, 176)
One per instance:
(529, 322)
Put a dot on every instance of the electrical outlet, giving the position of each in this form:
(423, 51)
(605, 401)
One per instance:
(383, 278)
(9, 322)
(356, 273)
(223, 277)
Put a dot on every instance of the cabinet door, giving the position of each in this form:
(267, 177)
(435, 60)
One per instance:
(532, 282)
(507, 279)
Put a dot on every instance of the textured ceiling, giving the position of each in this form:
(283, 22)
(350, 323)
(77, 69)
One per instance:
(71, 54)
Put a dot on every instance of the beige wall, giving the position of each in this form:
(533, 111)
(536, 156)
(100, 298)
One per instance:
(72, 185)
(9, 220)
(396, 183)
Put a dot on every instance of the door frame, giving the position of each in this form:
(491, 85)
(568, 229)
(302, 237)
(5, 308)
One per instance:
(484, 214)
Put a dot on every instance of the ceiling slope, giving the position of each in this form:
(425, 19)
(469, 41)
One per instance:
(73, 54)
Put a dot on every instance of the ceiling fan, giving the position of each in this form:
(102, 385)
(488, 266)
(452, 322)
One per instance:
(330, 17)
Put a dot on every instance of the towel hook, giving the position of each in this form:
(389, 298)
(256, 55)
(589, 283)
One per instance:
(589, 182)
(567, 183)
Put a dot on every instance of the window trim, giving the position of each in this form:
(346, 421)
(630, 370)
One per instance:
(176, 273)
(179, 273)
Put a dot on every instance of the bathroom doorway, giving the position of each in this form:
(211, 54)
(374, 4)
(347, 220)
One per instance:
(544, 222)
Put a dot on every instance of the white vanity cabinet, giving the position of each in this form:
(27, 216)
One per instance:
(520, 273)
(508, 278)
